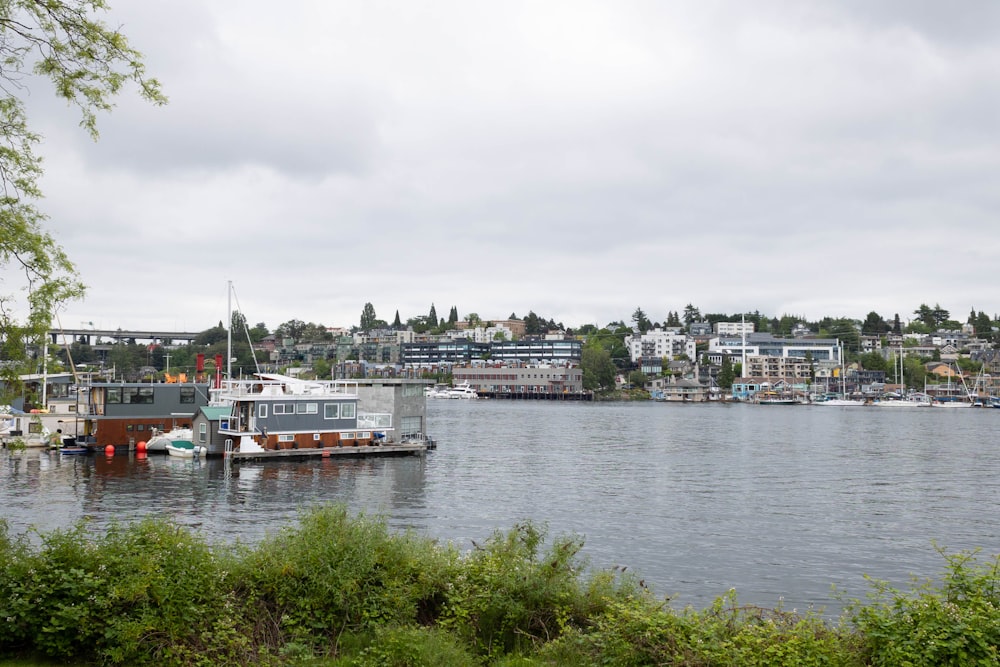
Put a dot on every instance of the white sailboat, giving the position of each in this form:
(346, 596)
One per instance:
(843, 401)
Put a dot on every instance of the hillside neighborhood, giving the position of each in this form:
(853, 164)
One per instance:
(691, 360)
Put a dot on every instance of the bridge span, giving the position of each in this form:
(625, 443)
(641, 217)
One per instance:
(91, 336)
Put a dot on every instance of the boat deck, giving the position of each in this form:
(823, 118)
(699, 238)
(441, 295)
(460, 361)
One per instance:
(402, 449)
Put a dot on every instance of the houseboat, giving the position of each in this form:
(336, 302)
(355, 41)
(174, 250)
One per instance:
(123, 414)
(279, 416)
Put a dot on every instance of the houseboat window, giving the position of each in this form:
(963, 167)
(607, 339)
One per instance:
(145, 395)
(129, 427)
(349, 435)
(283, 409)
(286, 437)
(114, 395)
(262, 411)
(413, 390)
(409, 426)
(202, 431)
(364, 434)
(129, 394)
(306, 408)
(347, 411)
(187, 394)
(315, 436)
(331, 411)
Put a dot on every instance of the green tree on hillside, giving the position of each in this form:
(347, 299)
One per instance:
(691, 314)
(726, 373)
(642, 322)
(88, 62)
(874, 325)
(368, 317)
(598, 369)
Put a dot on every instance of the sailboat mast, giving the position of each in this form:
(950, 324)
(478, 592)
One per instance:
(229, 331)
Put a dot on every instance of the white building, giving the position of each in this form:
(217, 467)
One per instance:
(660, 344)
(733, 328)
(481, 334)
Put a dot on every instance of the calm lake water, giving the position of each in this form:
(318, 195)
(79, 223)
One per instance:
(778, 502)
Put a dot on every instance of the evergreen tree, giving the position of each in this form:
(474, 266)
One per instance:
(396, 324)
(453, 315)
(432, 318)
(368, 317)
(726, 374)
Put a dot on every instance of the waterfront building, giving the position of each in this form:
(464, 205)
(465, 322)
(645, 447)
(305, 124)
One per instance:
(679, 390)
(779, 368)
(433, 353)
(551, 350)
(527, 381)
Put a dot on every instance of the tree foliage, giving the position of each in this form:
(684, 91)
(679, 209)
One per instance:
(88, 63)
(641, 321)
(368, 317)
(598, 369)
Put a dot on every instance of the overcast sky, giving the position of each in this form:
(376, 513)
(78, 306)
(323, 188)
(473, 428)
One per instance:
(578, 159)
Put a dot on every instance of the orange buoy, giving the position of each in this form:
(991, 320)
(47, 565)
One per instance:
(140, 446)
(109, 450)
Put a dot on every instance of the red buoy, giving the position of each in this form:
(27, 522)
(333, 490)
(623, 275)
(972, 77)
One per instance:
(140, 446)
(109, 450)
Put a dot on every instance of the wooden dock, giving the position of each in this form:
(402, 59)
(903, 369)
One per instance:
(401, 449)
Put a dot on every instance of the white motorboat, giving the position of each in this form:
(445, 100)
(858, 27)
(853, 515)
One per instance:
(185, 449)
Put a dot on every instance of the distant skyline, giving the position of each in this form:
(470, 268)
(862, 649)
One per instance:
(579, 159)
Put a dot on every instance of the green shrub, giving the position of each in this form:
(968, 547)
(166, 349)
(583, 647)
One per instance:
(333, 573)
(643, 631)
(507, 597)
(411, 647)
(954, 622)
(144, 592)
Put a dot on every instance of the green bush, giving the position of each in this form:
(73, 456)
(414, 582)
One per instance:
(642, 631)
(954, 622)
(411, 647)
(508, 597)
(341, 590)
(333, 573)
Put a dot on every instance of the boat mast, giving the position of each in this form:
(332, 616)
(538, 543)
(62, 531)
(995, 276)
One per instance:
(229, 331)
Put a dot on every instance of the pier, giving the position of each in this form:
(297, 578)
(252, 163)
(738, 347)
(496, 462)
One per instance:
(537, 396)
(401, 449)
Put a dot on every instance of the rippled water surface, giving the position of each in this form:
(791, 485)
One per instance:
(779, 502)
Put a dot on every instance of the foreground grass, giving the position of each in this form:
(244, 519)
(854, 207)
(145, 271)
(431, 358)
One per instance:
(344, 591)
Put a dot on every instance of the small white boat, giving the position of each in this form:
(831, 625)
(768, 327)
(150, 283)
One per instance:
(159, 440)
(185, 449)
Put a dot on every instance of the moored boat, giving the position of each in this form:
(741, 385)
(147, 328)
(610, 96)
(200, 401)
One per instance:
(462, 391)
(184, 449)
(159, 440)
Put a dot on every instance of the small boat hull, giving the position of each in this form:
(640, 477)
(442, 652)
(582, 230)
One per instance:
(185, 449)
